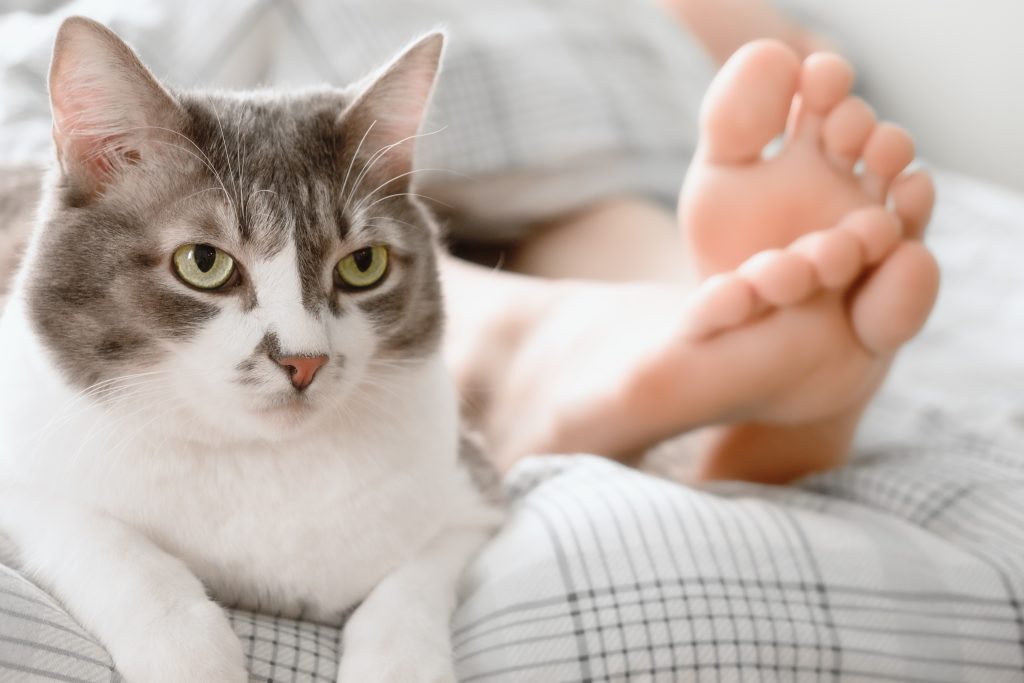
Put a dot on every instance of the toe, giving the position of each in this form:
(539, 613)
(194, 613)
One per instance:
(721, 302)
(836, 255)
(747, 103)
(779, 278)
(876, 230)
(894, 303)
(846, 130)
(887, 153)
(825, 79)
(913, 196)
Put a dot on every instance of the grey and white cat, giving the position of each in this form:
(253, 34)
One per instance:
(223, 372)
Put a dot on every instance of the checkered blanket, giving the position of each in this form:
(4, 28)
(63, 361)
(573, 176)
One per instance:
(906, 565)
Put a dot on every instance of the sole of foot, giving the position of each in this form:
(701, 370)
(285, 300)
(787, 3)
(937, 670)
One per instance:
(804, 233)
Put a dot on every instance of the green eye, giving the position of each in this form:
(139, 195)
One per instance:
(363, 268)
(203, 266)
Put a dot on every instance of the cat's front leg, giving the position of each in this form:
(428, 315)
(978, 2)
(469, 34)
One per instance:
(145, 606)
(401, 633)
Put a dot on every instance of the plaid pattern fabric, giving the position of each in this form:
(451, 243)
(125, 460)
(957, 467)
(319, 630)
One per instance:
(40, 641)
(635, 579)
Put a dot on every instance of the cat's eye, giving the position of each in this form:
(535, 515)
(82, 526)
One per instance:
(363, 268)
(203, 266)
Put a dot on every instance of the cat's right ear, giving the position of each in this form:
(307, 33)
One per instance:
(108, 109)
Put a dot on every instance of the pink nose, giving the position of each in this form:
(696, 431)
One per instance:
(302, 369)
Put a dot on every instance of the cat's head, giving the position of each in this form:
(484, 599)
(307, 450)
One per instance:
(255, 256)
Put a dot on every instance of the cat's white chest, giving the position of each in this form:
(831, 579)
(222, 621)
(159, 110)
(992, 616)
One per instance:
(308, 529)
(306, 525)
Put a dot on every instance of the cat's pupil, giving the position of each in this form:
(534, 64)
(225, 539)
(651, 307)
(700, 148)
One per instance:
(363, 259)
(204, 256)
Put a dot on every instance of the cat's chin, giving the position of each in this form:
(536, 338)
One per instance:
(287, 411)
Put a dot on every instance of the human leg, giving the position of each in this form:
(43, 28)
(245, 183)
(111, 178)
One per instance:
(723, 26)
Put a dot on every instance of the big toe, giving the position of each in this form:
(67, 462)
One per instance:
(748, 102)
(894, 302)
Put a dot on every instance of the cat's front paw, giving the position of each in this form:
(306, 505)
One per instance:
(395, 665)
(192, 643)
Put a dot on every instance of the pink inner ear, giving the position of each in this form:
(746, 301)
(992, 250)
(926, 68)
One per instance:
(85, 131)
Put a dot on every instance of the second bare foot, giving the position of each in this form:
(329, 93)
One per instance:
(740, 205)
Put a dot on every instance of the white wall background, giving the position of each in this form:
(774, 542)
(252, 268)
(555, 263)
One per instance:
(952, 71)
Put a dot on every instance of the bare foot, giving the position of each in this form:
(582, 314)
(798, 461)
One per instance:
(613, 369)
(786, 346)
(736, 203)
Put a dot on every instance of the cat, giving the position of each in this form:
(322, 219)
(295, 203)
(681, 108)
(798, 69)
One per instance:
(223, 372)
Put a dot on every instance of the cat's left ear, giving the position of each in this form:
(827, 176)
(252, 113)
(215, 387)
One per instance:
(383, 120)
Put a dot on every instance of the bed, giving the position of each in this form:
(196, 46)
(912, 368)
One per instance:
(905, 565)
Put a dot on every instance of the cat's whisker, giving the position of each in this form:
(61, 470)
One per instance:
(390, 392)
(126, 392)
(98, 390)
(395, 364)
(231, 169)
(410, 194)
(377, 156)
(379, 384)
(223, 187)
(470, 405)
(132, 428)
(395, 361)
(239, 159)
(383, 220)
(341, 406)
(355, 156)
(159, 447)
(204, 159)
(265, 214)
(380, 187)
(199, 192)
(123, 444)
(249, 198)
(353, 403)
(97, 387)
(256, 192)
(95, 430)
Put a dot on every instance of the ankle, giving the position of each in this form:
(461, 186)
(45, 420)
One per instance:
(774, 454)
